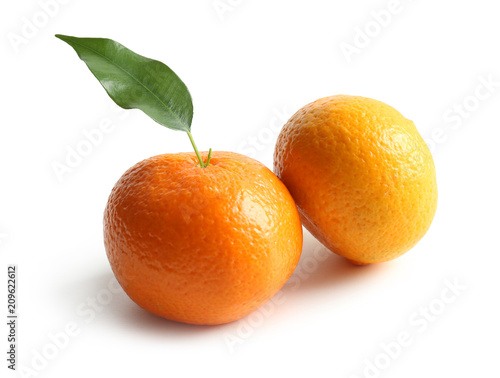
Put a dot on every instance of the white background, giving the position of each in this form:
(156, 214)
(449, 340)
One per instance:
(243, 66)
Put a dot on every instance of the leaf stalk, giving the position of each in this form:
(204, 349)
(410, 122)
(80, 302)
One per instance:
(202, 164)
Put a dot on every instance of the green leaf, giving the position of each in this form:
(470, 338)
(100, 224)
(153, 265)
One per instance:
(136, 82)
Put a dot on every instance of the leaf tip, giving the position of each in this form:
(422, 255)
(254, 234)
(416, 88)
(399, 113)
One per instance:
(62, 37)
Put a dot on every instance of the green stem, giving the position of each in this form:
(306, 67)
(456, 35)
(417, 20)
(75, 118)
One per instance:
(202, 165)
(209, 157)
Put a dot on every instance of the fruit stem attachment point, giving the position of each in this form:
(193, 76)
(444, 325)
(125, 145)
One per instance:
(202, 165)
